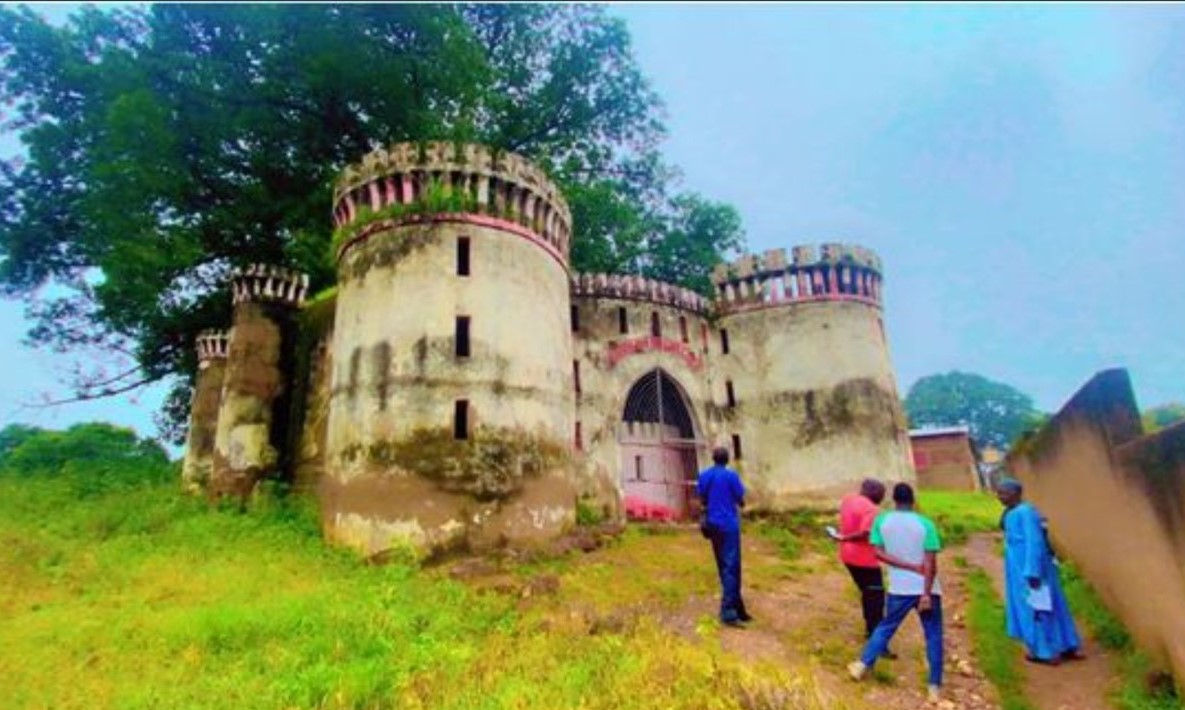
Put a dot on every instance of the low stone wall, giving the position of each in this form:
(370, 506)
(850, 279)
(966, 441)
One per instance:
(1115, 500)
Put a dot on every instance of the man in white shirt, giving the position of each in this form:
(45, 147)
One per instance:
(908, 543)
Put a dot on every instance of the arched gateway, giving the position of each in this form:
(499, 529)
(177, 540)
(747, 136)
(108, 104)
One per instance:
(659, 441)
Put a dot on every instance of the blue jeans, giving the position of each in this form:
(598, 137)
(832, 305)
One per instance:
(726, 546)
(898, 608)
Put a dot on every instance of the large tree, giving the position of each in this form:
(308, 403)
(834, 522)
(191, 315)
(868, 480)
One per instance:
(167, 145)
(996, 413)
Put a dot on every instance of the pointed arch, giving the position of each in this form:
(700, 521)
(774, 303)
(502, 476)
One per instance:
(656, 397)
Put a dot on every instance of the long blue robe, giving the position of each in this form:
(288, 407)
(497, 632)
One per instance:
(1046, 634)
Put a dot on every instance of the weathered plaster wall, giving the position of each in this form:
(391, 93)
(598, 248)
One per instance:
(396, 380)
(816, 399)
(314, 371)
(1115, 501)
(251, 432)
(203, 425)
(611, 362)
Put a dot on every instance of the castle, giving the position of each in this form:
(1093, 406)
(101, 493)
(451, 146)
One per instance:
(462, 387)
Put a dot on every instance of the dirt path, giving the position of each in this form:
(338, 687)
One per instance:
(815, 614)
(807, 618)
(1081, 685)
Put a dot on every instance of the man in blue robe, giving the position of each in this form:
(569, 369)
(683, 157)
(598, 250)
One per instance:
(1036, 608)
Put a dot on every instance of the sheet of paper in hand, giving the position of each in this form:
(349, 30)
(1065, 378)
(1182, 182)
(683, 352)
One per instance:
(1040, 598)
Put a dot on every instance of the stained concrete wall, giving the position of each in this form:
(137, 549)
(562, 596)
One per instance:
(198, 467)
(251, 432)
(816, 399)
(1115, 500)
(315, 369)
(394, 469)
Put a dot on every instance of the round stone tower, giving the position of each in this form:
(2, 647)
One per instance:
(212, 348)
(803, 381)
(451, 404)
(253, 415)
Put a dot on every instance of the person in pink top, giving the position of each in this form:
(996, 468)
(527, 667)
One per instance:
(857, 512)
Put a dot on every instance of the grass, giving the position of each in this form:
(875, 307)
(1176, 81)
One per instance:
(138, 597)
(959, 514)
(796, 533)
(998, 656)
(1141, 687)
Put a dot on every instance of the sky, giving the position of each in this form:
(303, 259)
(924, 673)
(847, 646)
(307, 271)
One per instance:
(1019, 168)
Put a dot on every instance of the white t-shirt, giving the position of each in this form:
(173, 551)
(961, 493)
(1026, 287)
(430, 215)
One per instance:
(908, 536)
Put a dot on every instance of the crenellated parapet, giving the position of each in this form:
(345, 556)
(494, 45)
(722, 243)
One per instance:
(211, 345)
(832, 272)
(410, 181)
(267, 283)
(638, 288)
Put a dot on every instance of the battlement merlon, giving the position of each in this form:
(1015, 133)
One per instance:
(834, 271)
(638, 288)
(264, 282)
(499, 183)
(212, 345)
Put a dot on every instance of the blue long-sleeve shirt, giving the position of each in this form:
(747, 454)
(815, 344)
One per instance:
(722, 492)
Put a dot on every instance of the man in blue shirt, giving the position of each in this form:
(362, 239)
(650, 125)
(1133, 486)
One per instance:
(723, 495)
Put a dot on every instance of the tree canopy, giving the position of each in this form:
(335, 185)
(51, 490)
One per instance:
(167, 145)
(93, 457)
(1157, 418)
(995, 413)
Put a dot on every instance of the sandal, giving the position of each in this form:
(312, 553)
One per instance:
(1043, 661)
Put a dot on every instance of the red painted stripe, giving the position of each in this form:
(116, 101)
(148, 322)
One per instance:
(479, 220)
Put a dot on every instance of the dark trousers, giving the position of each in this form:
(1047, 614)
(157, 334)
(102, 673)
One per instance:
(872, 595)
(726, 546)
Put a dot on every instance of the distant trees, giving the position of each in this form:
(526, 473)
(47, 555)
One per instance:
(1157, 418)
(98, 456)
(995, 413)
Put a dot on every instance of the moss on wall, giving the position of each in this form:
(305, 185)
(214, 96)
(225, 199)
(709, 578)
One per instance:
(203, 425)
(309, 408)
(857, 406)
(384, 249)
(491, 464)
(253, 437)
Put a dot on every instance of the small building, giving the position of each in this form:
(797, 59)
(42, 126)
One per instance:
(944, 458)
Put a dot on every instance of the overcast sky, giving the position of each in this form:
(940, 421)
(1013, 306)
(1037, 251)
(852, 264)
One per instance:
(1020, 169)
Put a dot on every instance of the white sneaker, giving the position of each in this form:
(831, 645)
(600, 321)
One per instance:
(933, 694)
(857, 669)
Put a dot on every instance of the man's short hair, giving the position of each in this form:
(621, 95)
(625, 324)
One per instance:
(720, 455)
(1011, 485)
(903, 493)
(872, 489)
